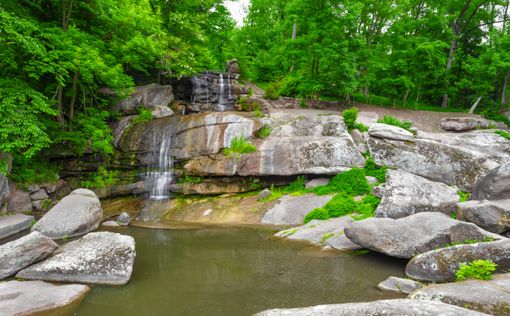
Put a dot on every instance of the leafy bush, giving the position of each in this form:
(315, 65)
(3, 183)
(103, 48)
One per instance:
(250, 92)
(28, 171)
(102, 178)
(463, 196)
(318, 213)
(238, 147)
(391, 120)
(477, 269)
(264, 131)
(272, 91)
(351, 182)
(366, 207)
(340, 205)
(503, 134)
(144, 115)
(303, 104)
(350, 117)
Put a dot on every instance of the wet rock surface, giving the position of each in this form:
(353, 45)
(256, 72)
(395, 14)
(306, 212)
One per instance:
(491, 296)
(399, 285)
(100, 258)
(440, 265)
(406, 194)
(12, 224)
(385, 307)
(412, 235)
(76, 214)
(23, 252)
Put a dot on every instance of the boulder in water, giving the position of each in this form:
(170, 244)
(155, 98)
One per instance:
(101, 258)
(399, 285)
(76, 214)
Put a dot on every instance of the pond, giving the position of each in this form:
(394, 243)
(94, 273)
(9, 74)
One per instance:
(235, 271)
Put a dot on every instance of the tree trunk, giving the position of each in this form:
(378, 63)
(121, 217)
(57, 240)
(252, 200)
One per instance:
(60, 115)
(449, 63)
(366, 91)
(406, 95)
(473, 108)
(73, 99)
(504, 97)
(294, 31)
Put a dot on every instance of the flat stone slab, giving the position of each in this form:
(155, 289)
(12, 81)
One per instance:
(316, 183)
(27, 298)
(399, 285)
(406, 307)
(23, 252)
(491, 296)
(13, 224)
(291, 210)
(390, 132)
(406, 194)
(101, 258)
(322, 233)
(406, 237)
(440, 265)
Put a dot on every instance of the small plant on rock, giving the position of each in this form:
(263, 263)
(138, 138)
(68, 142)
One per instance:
(144, 115)
(503, 134)
(264, 131)
(238, 147)
(477, 269)
(391, 120)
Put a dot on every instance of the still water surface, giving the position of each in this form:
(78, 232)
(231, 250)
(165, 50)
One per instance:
(234, 271)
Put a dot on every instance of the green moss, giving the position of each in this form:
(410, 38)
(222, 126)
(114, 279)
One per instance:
(371, 169)
(326, 237)
(477, 269)
(503, 134)
(351, 182)
(318, 213)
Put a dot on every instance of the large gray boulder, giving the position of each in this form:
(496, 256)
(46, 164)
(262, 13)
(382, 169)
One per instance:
(18, 201)
(12, 224)
(152, 96)
(493, 216)
(36, 297)
(76, 214)
(491, 296)
(494, 186)
(399, 285)
(322, 233)
(406, 237)
(23, 252)
(440, 265)
(101, 258)
(463, 124)
(381, 308)
(455, 159)
(407, 194)
(291, 210)
(390, 132)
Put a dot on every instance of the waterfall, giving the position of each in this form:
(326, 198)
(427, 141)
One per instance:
(161, 177)
(221, 99)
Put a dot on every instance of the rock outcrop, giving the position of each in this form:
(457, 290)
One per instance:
(386, 131)
(491, 296)
(35, 297)
(406, 237)
(153, 96)
(101, 258)
(494, 186)
(76, 214)
(406, 194)
(18, 201)
(399, 285)
(291, 210)
(322, 233)
(12, 224)
(383, 308)
(21, 253)
(493, 216)
(440, 265)
(455, 159)
(463, 124)
(4, 190)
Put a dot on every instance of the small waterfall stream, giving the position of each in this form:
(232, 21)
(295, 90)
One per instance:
(162, 176)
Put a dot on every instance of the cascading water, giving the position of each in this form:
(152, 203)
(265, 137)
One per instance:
(229, 87)
(162, 176)
(221, 100)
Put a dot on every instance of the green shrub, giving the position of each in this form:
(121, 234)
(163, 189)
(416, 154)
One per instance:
(296, 185)
(272, 91)
(340, 205)
(102, 178)
(144, 115)
(264, 131)
(250, 92)
(477, 269)
(318, 213)
(303, 104)
(463, 196)
(503, 134)
(391, 120)
(371, 169)
(351, 182)
(258, 113)
(28, 171)
(350, 117)
(238, 147)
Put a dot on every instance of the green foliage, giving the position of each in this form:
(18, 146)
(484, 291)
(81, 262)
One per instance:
(303, 104)
(32, 170)
(371, 169)
(272, 91)
(477, 269)
(350, 117)
(463, 196)
(264, 131)
(351, 182)
(250, 92)
(102, 178)
(238, 147)
(144, 115)
(318, 213)
(391, 120)
(340, 205)
(503, 134)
